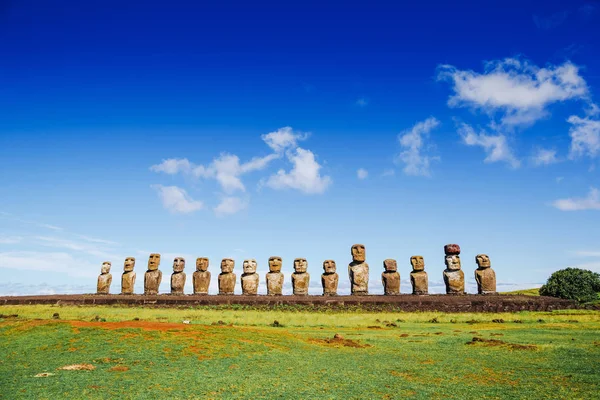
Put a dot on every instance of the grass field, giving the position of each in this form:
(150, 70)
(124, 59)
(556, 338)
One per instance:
(237, 352)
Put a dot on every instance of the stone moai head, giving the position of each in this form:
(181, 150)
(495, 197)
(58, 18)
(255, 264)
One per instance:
(390, 265)
(154, 262)
(202, 264)
(227, 265)
(452, 256)
(358, 253)
(483, 261)
(105, 269)
(129, 264)
(417, 262)
(178, 264)
(275, 264)
(329, 266)
(300, 265)
(250, 266)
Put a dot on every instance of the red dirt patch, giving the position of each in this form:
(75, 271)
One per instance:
(338, 342)
(145, 325)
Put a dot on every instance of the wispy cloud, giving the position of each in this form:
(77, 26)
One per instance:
(362, 174)
(12, 217)
(362, 102)
(495, 146)
(230, 205)
(10, 239)
(412, 141)
(591, 202)
(544, 157)
(176, 199)
(551, 21)
(585, 136)
(305, 176)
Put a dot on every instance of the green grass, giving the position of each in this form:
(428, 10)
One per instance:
(525, 292)
(229, 353)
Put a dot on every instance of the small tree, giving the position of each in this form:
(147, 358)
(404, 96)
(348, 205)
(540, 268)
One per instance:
(573, 283)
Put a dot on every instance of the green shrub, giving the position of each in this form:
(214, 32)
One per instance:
(573, 283)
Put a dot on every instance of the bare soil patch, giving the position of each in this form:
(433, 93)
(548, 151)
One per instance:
(338, 341)
(78, 367)
(494, 342)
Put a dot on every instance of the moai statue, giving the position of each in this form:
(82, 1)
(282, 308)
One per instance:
(454, 278)
(358, 271)
(153, 276)
(178, 276)
(329, 279)
(128, 277)
(105, 279)
(418, 276)
(300, 278)
(227, 277)
(485, 275)
(390, 278)
(201, 276)
(274, 277)
(249, 278)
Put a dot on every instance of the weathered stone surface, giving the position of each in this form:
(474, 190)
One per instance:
(300, 278)
(128, 277)
(178, 276)
(418, 276)
(153, 276)
(227, 278)
(454, 278)
(358, 271)
(485, 275)
(105, 279)
(452, 249)
(329, 279)
(390, 278)
(201, 277)
(250, 278)
(274, 277)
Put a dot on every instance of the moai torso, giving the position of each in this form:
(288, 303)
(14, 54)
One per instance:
(390, 278)
(485, 275)
(418, 276)
(201, 277)
(454, 277)
(128, 277)
(274, 277)
(250, 278)
(358, 271)
(104, 279)
(178, 276)
(300, 278)
(329, 279)
(227, 278)
(153, 276)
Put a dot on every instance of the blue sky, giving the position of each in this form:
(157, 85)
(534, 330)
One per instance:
(297, 129)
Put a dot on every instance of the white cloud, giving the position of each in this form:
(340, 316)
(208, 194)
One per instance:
(362, 102)
(591, 202)
(585, 137)
(388, 172)
(362, 173)
(304, 176)
(176, 199)
(283, 138)
(230, 205)
(544, 157)
(495, 146)
(412, 141)
(10, 239)
(49, 261)
(517, 89)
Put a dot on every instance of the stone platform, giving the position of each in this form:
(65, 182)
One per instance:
(405, 302)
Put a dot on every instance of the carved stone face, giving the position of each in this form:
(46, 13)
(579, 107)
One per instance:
(329, 266)
(129, 264)
(300, 265)
(178, 264)
(275, 264)
(358, 253)
(154, 261)
(453, 262)
(417, 263)
(483, 261)
(250, 266)
(227, 265)
(105, 267)
(390, 265)
(202, 264)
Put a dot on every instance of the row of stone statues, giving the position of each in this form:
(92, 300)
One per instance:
(358, 272)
